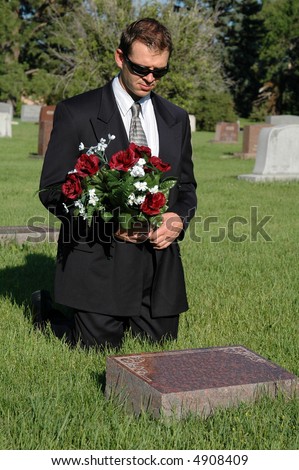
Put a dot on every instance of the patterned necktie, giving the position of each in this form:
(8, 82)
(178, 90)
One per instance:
(136, 133)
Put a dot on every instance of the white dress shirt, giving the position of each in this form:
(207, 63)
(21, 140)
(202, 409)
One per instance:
(147, 116)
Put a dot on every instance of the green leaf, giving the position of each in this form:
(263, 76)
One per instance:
(125, 220)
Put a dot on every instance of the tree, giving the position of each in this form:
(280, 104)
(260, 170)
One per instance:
(62, 48)
(279, 58)
(240, 30)
(24, 29)
(196, 73)
(12, 71)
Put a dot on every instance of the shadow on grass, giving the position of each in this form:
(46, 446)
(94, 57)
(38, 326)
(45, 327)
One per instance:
(18, 282)
(100, 380)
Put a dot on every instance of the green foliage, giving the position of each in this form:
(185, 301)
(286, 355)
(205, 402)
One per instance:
(240, 30)
(195, 68)
(278, 65)
(213, 108)
(68, 48)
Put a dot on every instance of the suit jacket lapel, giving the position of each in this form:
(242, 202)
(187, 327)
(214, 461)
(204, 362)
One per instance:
(169, 130)
(109, 121)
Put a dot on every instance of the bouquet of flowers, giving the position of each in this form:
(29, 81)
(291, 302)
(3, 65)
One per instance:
(129, 188)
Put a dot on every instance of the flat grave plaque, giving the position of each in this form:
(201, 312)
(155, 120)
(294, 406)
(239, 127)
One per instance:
(28, 234)
(194, 380)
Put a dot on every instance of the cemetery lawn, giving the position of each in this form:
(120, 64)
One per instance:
(241, 263)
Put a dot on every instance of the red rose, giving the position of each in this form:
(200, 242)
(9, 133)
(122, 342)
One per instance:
(159, 164)
(124, 159)
(72, 187)
(153, 203)
(87, 165)
(140, 150)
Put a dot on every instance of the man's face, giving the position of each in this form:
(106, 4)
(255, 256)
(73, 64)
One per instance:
(140, 54)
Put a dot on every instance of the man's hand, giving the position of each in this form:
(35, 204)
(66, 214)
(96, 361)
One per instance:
(170, 229)
(137, 234)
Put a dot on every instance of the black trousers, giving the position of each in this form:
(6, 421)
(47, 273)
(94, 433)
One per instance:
(98, 329)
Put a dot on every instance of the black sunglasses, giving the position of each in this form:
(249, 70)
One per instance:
(143, 71)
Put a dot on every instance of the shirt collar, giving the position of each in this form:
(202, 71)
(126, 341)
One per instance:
(124, 100)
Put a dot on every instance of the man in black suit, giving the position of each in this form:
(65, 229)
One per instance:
(116, 279)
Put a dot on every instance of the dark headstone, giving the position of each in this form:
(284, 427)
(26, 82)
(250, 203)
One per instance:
(45, 128)
(227, 132)
(193, 380)
(250, 139)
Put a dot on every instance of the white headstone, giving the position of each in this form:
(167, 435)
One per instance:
(277, 157)
(192, 119)
(283, 119)
(6, 108)
(5, 125)
(30, 112)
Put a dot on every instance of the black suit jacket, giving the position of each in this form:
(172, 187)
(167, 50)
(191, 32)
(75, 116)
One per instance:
(94, 271)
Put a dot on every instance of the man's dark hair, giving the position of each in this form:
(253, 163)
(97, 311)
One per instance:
(148, 31)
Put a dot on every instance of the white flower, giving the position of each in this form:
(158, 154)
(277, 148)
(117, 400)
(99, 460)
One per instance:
(141, 162)
(65, 208)
(137, 171)
(111, 136)
(81, 146)
(139, 200)
(101, 147)
(93, 198)
(133, 199)
(141, 185)
(81, 208)
(154, 189)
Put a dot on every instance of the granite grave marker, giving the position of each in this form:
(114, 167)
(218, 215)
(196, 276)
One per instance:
(277, 156)
(226, 132)
(5, 125)
(45, 128)
(250, 139)
(282, 119)
(30, 112)
(197, 381)
(7, 108)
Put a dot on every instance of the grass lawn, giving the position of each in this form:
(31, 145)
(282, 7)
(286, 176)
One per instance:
(241, 264)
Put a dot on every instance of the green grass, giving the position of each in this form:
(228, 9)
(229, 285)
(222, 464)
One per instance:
(242, 292)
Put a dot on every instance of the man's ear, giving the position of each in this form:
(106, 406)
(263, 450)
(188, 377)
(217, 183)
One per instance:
(119, 58)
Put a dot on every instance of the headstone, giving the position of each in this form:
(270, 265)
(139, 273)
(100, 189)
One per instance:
(227, 132)
(45, 128)
(28, 234)
(197, 381)
(7, 108)
(30, 112)
(5, 125)
(277, 157)
(283, 119)
(250, 139)
(192, 119)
